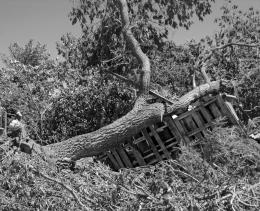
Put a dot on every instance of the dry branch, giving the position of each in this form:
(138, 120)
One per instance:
(68, 188)
(237, 44)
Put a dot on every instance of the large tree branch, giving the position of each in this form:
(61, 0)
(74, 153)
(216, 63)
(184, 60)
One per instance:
(123, 129)
(135, 48)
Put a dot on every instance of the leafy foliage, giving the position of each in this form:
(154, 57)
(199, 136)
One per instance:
(85, 108)
(230, 57)
(224, 176)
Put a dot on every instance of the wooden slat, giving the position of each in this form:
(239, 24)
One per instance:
(139, 157)
(113, 160)
(210, 101)
(215, 111)
(193, 126)
(154, 161)
(187, 113)
(198, 120)
(173, 128)
(192, 133)
(151, 144)
(138, 140)
(124, 157)
(181, 130)
(159, 141)
(172, 144)
(189, 121)
(149, 155)
(160, 129)
(205, 114)
(118, 159)
(169, 140)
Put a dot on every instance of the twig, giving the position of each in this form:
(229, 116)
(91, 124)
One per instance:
(109, 60)
(237, 44)
(63, 185)
(136, 85)
(184, 173)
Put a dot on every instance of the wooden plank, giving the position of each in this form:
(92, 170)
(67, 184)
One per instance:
(169, 140)
(178, 125)
(187, 113)
(173, 128)
(215, 111)
(210, 101)
(205, 114)
(160, 129)
(138, 140)
(154, 161)
(118, 159)
(193, 126)
(139, 157)
(149, 155)
(169, 146)
(159, 141)
(124, 157)
(153, 147)
(199, 121)
(192, 133)
(172, 144)
(113, 160)
(189, 121)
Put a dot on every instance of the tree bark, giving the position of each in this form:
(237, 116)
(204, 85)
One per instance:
(142, 115)
(121, 130)
(144, 83)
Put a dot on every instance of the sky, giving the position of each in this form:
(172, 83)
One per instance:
(47, 20)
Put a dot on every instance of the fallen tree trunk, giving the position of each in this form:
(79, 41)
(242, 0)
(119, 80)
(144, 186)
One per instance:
(142, 115)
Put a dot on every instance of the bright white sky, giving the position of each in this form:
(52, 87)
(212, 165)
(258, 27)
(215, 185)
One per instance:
(47, 20)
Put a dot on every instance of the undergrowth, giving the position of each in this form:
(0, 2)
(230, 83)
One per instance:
(220, 173)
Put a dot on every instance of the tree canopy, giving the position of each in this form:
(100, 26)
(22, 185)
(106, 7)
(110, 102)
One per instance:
(98, 95)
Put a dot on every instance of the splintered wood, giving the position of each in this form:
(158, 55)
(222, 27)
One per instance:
(161, 141)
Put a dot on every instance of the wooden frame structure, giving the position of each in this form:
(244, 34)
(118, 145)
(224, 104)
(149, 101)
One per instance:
(160, 141)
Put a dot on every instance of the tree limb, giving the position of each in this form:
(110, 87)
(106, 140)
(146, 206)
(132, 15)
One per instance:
(121, 130)
(135, 48)
(237, 44)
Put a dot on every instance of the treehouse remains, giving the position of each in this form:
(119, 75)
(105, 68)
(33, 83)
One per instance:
(147, 119)
(160, 141)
